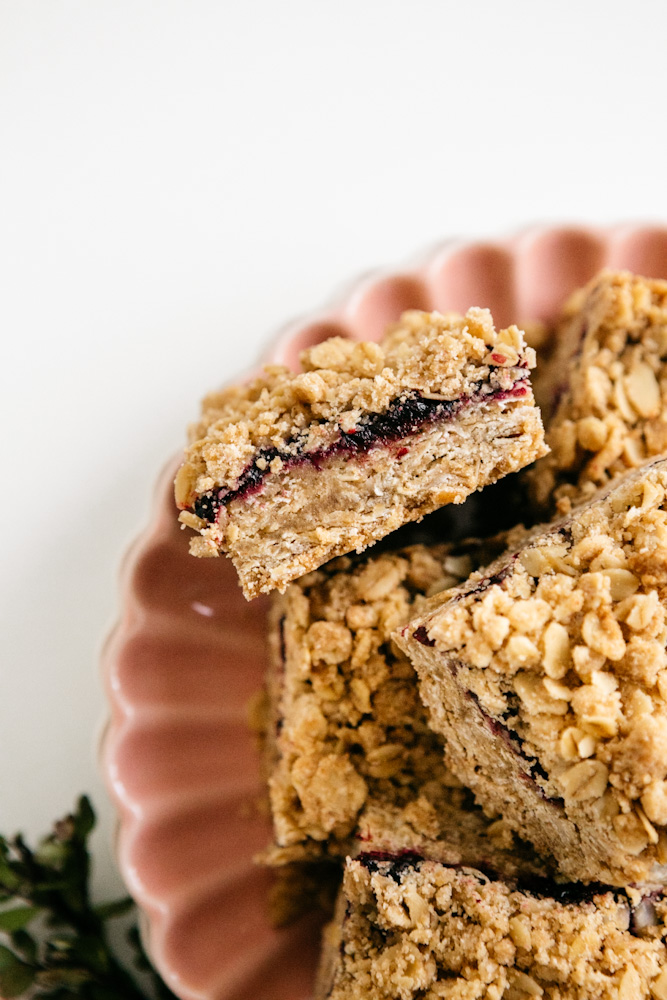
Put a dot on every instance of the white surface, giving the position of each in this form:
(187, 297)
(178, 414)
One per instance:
(177, 179)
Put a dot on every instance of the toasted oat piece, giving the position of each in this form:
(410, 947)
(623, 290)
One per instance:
(547, 676)
(291, 470)
(608, 380)
(410, 929)
(350, 759)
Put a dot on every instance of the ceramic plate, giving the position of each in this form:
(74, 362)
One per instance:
(188, 653)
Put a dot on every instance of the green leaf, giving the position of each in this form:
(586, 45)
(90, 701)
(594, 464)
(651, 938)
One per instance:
(76, 897)
(66, 955)
(59, 947)
(15, 976)
(18, 918)
(52, 854)
(84, 818)
(52, 885)
(8, 878)
(25, 944)
(90, 951)
(117, 908)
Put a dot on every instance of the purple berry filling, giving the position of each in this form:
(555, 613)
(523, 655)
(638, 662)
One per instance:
(403, 417)
(422, 636)
(283, 663)
(531, 767)
(490, 581)
(393, 865)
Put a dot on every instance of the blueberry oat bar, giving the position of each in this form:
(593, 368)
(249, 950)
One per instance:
(350, 759)
(292, 470)
(413, 929)
(608, 382)
(547, 676)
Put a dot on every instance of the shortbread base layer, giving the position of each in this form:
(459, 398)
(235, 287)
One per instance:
(406, 929)
(304, 517)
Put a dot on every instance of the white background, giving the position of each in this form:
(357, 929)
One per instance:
(177, 179)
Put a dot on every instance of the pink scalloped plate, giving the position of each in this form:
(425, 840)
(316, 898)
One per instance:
(188, 652)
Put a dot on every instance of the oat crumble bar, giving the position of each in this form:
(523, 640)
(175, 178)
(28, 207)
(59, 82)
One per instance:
(292, 470)
(547, 675)
(608, 379)
(409, 929)
(350, 759)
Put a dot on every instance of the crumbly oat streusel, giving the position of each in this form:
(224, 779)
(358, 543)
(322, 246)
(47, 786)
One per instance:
(422, 931)
(609, 379)
(349, 754)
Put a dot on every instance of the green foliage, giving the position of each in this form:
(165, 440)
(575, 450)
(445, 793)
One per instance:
(53, 941)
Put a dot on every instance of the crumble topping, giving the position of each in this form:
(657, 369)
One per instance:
(430, 932)
(568, 650)
(350, 729)
(611, 412)
(341, 380)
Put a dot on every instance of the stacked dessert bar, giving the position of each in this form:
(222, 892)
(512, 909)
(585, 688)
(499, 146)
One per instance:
(292, 470)
(474, 732)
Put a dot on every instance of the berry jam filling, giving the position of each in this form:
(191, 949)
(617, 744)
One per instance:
(393, 865)
(422, 636)
(490, 581)
(283, 663)
(403, 417)
(573, 893)
(531, 767)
